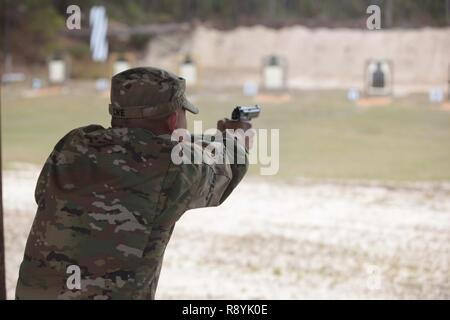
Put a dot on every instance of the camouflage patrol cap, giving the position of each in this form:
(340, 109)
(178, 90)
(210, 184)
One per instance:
(147, 93)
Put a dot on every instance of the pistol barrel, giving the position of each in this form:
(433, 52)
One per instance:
(242, 113)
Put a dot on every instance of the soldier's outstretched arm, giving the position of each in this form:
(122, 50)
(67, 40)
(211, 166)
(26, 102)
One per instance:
(214, 181)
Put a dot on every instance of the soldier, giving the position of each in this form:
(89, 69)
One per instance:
(108, 199)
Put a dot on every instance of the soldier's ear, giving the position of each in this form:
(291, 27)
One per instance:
(172, 121)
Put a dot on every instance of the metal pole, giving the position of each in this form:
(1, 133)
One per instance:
(389, 15)
(2, 243)
(447, 11)
(2, 238)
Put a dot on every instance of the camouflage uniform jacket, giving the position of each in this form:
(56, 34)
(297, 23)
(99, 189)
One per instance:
(108, 200)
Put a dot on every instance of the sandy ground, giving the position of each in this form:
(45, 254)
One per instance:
(290, 241)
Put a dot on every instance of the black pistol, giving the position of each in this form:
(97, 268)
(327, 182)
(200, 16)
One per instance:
(242, 113)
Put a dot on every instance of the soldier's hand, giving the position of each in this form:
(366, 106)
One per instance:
(226, 123)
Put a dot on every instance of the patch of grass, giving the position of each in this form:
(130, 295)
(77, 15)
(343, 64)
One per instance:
(276, 272)
(322, 135)
(32, 126)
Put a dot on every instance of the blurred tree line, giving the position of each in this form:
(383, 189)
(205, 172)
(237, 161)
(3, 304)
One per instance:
(32, 27)
(276, 13)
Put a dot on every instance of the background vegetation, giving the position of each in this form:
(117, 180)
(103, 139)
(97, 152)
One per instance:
(33, 29)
